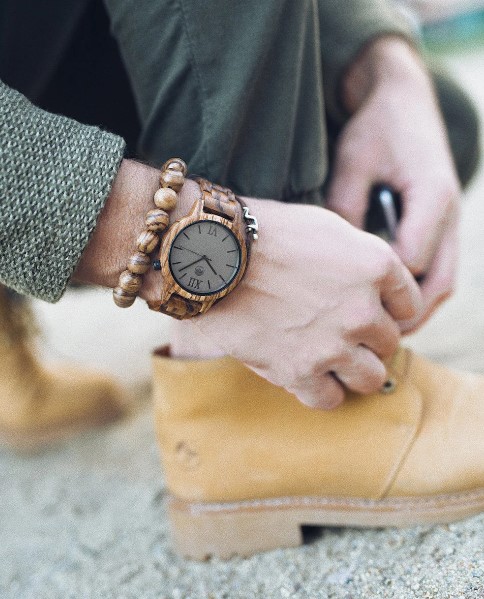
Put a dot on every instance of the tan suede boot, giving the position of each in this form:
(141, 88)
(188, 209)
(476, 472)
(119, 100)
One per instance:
(247, 464)
(38, 407)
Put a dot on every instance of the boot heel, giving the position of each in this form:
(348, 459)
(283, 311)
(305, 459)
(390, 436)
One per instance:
(201, 531)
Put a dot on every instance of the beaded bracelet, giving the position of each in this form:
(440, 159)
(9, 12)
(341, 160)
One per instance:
(172, 177)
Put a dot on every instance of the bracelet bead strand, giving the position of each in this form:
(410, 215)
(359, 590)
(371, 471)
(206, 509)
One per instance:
(172, 177)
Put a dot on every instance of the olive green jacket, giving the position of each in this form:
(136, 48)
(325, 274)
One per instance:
(241, 90)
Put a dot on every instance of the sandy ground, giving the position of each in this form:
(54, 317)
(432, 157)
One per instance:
(87, 520)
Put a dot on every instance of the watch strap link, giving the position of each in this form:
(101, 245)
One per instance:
(218, 200)
(178, 307)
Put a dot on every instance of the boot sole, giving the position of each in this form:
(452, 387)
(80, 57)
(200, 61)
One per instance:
(224, 530)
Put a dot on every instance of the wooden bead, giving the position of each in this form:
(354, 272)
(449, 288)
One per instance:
(176, 164)
(147, 242)
(157, 220)
(130, 282)
(122, 298)
(173, 179)
(165, 198)
(139, 263)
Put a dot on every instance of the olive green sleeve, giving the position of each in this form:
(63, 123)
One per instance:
(55, 176)
(345, 28)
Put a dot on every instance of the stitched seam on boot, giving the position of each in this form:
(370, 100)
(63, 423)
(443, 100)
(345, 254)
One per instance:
(314, 502)
(393, 474)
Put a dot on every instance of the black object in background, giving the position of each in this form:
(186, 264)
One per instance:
(384, 212)
(61, 55)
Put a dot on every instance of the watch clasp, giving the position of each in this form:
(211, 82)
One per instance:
(252, 225)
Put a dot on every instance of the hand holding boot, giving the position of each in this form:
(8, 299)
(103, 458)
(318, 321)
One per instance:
(396, 135)
(317, 310)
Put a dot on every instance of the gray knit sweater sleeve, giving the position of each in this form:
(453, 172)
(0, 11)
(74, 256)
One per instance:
(55, 176)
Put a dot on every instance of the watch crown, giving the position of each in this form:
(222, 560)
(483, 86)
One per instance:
(156, 265)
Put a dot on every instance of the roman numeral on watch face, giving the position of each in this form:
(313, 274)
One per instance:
(194, 283)
(205, 257)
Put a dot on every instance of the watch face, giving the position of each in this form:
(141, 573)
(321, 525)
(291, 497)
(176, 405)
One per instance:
(205, 257)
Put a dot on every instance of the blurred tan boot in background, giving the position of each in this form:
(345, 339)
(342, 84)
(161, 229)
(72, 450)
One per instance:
(247, 465)
(37, 406)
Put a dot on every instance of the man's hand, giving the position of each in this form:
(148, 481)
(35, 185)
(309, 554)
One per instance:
(397, 136)
(316, 312)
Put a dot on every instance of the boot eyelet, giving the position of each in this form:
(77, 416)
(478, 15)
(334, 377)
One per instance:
(389, 386)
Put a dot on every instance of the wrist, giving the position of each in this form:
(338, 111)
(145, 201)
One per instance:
(120, 223)
(387, 60)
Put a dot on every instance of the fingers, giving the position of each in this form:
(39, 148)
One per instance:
(381, 336)
(400, 294)
(438, 284)
(426, 215)
(365, 373)
(321, 391)
(362, 372)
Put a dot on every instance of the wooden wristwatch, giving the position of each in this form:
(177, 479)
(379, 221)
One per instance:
(204, 255)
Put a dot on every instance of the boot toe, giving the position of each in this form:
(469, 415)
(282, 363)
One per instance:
(447, 455)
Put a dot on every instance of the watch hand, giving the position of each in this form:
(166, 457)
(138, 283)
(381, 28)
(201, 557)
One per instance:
(213, 269)
(192, 263)
(180, 247)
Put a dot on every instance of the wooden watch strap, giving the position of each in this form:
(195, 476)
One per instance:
(178, 307)
(217, 200)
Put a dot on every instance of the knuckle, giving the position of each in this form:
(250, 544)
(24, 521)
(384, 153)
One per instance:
(341, 355)
(384, 262)
(384, 339)
(368, 321)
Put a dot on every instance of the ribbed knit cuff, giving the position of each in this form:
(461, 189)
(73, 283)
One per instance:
(55, 176)
(346, 28)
